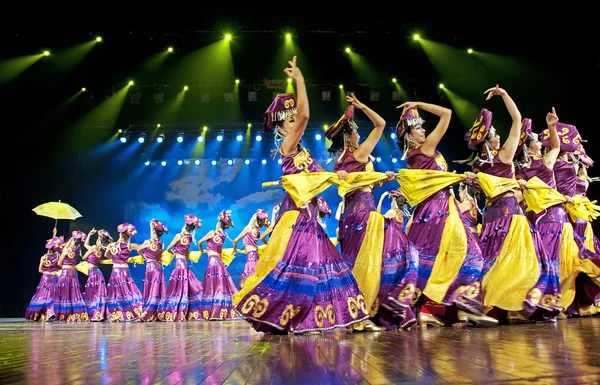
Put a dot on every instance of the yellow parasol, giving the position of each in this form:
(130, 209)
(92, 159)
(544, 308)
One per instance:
(57, 210)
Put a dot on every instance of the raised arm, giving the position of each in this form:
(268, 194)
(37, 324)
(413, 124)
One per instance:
(208, 236)
(241, 235)
(291, 140)
(385, 194)
(363, 151)
(552, 155)
(87, 239)
(65, 251)
(507, 152)
(434, 138)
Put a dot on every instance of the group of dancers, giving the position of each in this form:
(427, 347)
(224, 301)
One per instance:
(533, 257)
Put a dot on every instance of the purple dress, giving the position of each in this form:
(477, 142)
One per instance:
(250, 239)
(184, 292)
(428, 222)
(399, 272)
(154, 280)
(218, 286)
(95, 289)
(470, 218)
(123, 297)
(587, 293)
(68, 298)
(311, 288)
(499, 221)
(41, 306)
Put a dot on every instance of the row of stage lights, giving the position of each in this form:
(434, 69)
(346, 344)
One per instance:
(180, 137)
(231, 162)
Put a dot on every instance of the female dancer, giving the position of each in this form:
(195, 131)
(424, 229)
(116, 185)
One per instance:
(154, 280)
(399, 268)
(251, 235)
(95, 287)
(301, 283)
(518, 272)
(218, 286)
(184, 292)
(41, 306)
(449, 271)
(468, 207)
(360, 229)
(123, 297)
(68, 298)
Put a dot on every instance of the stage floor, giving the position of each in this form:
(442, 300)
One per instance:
(231, 353)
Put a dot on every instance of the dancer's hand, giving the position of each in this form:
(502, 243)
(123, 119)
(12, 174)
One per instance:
(390, 176)
(552, 118)
(522, 183)
(352, 99)
(568, 198)
(408, 105)
(92, 231)
(469, 176)
(495, 91)
(293, 71)
(343, 175)
(275, 209)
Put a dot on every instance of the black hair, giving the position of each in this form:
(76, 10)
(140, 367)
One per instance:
(189, 227)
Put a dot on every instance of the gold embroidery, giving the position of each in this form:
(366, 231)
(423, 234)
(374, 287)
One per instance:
(319, 316)
(153, 246)
(288, 314)
(407, 293)
(331, 316)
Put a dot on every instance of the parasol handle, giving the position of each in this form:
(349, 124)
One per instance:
(270, 184)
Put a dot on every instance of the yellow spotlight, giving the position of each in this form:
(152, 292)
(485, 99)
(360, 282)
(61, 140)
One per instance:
(120, 130)
(441, 85)
(46, 53)
(416, 37)
(325, 126)
(185, 88)
(289, 80)
(170, 49)
(204, 128)
(394, 80)
(83, 89)
(249, 125)
(131, 82)
(98, 39)
(348, 50)
(158, 125)
(237, 81)
(228, 37)
(288, 36)
(341, 86)
(470, 50)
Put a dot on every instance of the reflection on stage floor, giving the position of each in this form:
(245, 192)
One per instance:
(231, 353)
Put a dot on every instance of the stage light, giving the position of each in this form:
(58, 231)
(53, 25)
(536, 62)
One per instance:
(230, 162)
(348, 50)
(185, 88)
(237, 81)
(228, 37)
(393, 135)
(160, 138)
(249, 125)
(46, 53)
(341, 86)
(170, 49)
(325, 126)
(200, 138)
(289, 80)
(83, 89)
(157, 125)
(279, 161)
(219, 137)
(163, 163)
(247, 161)
(197, 162)
(318, 136)
(142, 138)
(416, 37)
(239, 138)
(470, 50)
(120, 130)
(204, 128)
(214, 162)
(394, 160)
(258, 138)
(180, 138)
(441, 85)
(394, 80)
(180, 162)
(378, 159)
(124, 138)
(147, 163)
(131, 82)
(288, 36)
(264, 161)
(98, 39)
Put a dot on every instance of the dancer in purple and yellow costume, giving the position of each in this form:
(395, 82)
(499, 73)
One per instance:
(154, 288)
(251, 235)
(95, 286)
(184, 292)
(301, 283)
(361, 226)
(399, 268)
(41, 306)
(123, 297)
(450, 259)
(468, 206)
(580, 294)
(68, 297)
(518, 276)
(218, 286)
